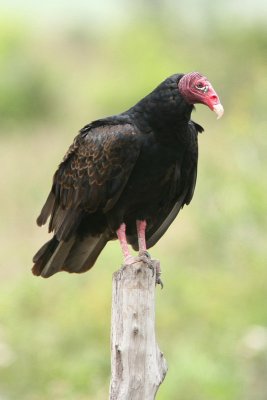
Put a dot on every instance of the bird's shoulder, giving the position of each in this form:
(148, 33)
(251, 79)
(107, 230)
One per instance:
(104, 136)
(98, 163)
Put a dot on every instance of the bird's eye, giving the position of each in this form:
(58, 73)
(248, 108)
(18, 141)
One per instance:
(202, 87)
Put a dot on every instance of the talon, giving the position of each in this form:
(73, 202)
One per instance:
(159, 282)
(158, 273)
(151, 266)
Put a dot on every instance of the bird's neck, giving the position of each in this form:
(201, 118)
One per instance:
(165, 114)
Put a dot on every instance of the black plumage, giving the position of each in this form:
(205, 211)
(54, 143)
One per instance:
(138, 165)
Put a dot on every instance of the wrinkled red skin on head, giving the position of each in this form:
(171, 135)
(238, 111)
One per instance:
(188, 89)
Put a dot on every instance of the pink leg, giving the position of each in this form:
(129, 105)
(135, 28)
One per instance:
(121, 233)
(141, 234)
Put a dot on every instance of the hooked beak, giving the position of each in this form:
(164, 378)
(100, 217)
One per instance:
(218, 109)
(213, 102)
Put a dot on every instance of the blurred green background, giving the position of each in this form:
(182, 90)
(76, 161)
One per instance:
(63, 64)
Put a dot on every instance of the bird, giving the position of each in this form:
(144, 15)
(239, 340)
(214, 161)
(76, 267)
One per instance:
(125, 177)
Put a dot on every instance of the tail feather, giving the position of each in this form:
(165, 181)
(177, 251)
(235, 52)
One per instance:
(56, 261)
(84, 254)
(46, 210)
(75, 255)
(43, 255)
(46, 250)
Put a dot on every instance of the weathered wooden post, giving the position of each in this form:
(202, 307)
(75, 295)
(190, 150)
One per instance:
(137, 365)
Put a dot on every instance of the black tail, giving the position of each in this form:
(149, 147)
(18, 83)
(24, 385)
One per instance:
(75, 255)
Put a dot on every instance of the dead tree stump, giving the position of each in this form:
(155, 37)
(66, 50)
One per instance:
(137, 365)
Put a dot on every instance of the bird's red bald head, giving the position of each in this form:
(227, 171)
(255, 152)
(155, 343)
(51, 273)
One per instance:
(195, 88)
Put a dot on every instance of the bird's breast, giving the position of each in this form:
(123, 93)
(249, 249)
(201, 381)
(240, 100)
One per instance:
(154, 173)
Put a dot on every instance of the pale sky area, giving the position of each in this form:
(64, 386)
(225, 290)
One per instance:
(106, 12)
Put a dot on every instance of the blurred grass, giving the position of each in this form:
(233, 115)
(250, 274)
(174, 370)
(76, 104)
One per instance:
(54, 334)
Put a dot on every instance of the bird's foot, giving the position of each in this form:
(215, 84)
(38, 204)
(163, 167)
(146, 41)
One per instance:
(154, 265)
(128, 260)
(145, 257)
(142, 257)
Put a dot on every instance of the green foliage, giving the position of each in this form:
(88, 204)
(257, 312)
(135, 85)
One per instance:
(25, 94)
(211, 315)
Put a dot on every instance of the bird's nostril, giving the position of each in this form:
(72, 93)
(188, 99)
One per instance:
(214, 97)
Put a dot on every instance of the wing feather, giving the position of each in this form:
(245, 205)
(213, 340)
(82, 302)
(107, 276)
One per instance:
(185, 181)
(91, 176)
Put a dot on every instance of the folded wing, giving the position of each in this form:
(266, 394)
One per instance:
(91, 176)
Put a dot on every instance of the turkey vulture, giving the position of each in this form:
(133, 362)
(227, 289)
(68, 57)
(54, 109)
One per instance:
(125, 176)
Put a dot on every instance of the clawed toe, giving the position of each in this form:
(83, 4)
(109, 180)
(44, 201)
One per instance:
(158, 273)
(128, 260)
(159, 282)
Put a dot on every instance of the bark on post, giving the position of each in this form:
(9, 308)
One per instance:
(137, 365)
